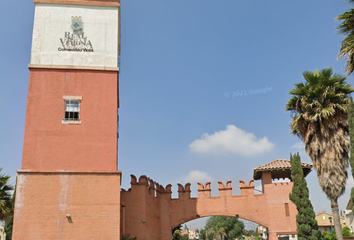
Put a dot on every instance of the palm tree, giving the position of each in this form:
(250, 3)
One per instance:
(346, 27)
(5, 197)
(217, 231)
(319, 108)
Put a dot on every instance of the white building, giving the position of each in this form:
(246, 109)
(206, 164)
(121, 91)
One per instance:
(287, 237)
(348, 215)
(192, 234)
(2, 234)
(263, 232)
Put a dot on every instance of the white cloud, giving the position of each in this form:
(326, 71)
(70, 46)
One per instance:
(299, 146)
(197, 176)
(232, 140)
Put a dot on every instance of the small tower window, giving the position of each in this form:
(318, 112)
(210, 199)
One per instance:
(72, 110)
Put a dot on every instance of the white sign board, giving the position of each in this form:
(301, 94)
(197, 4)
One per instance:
(79, 36)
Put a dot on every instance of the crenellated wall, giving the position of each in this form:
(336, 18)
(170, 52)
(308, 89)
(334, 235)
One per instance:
(150, 212)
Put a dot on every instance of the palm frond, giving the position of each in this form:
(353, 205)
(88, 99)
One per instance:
(319, 117)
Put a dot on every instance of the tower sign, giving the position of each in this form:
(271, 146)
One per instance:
(76, 40)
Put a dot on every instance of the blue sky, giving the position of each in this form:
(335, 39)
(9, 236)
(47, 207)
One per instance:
(203, 85)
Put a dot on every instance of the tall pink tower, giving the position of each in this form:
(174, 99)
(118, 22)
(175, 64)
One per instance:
(69, 185)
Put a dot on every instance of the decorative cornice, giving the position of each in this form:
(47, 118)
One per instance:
(44, 66)
(106, 3)
(68, 172)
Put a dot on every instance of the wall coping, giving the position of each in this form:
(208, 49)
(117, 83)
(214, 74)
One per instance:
(68, 172)
(45, 66)
(108, 3)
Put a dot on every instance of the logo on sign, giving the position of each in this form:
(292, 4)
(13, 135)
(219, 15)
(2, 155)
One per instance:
(76, 40)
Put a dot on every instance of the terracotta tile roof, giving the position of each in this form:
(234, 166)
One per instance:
(280, 168)
(280, 164)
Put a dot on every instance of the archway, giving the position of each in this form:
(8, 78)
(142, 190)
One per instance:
(225, 227)
(150, 212)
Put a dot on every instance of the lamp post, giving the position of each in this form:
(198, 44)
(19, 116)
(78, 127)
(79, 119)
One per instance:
(330, 227)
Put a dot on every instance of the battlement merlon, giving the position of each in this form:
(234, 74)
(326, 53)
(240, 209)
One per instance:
(184, 192)
(152, 188)
(225, 191)
(156, 190)
(204, 191)
(247, 189)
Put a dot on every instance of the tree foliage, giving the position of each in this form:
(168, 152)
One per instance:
(8, 228)
(307, 228)
(6, 203)
(332, 235)
(222, 227)
(176, 234)
(346, 231)
(127, 237)
(320, 119)
(328, 236)
(346, 27)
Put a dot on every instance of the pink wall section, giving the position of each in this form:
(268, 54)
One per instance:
(51, 145)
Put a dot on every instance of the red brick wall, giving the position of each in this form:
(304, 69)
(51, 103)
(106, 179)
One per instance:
(44, 199)
(161, 213)
(51, 145)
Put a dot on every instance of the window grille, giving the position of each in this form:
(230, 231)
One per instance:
(72, 110)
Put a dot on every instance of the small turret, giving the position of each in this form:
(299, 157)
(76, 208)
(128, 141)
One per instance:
(280, 168)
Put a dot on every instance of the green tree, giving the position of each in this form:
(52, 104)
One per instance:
(203, 234)
(127, 237)
(9, 220)
(8, 228)
(176, 235)
(185, 237)
(346, 231)
(6, 203)
(332, 235)
(320, 119)
(346, 27)
(236, 231)
(307, 228)
(231, 227)
(218, 231)
(328, 236)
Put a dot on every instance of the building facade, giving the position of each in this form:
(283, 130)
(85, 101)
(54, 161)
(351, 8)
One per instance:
(263, 232)
(68, 185)
(193, 234)
(348, 214)
(326, 223)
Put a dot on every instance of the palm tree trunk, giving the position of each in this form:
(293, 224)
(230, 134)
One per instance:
(336, 218)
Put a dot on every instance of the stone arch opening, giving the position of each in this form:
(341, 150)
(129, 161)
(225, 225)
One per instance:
(201, 228)
(238, 217)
